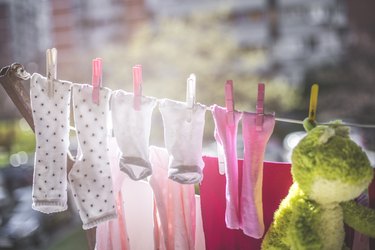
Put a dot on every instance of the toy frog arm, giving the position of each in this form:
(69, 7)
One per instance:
(304, 226)
(359, 217)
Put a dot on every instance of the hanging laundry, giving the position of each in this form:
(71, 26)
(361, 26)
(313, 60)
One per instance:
(132, 131)
(112, 235)
(226, 137)
(90, 177)
(138, 210)
(174, 211)
(255, 141)
(183, 136)
(276, 182)
(51, 121)
(199, 232)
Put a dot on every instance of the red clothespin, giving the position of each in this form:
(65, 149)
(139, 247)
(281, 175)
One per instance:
(260, 107)
(96, 79)
(229, 101)
(137, 86)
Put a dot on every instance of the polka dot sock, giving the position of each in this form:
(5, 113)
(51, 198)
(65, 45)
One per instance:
(183, 135)
(132, 131)
(51, 121)
(90, 177)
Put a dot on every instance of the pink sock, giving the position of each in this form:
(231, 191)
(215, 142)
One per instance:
(255, 143)
(226, 136)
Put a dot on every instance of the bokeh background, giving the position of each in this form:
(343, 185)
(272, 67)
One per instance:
(286, 44)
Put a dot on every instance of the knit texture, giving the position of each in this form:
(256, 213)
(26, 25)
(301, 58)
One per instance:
(226, 137)
(132, 131)
(183, 135)
(51, 121)
(90, 177)
(251, 202)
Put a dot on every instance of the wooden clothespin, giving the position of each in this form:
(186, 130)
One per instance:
(190, 91)
(313, 102)
(96, 79)
(260, 107)
(137, 86)
(229, 101)
(51, 65)
(309, 123)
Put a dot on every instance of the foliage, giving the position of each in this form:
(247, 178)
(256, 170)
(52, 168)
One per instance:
(15, 136)
(74, 240)
(173, 48)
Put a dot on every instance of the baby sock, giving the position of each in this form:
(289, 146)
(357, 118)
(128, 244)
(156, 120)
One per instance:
(90, 176)
(183, 135)
(226, 137)
(51, 121)
(255, 142)
(132, 131)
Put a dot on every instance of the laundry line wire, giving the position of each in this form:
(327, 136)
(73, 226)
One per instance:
(22, 74)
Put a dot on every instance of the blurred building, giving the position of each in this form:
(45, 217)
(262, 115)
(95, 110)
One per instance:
(295, 34)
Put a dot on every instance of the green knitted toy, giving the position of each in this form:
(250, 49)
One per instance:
(329, 171)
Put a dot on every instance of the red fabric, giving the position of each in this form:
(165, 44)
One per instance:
(277, 180)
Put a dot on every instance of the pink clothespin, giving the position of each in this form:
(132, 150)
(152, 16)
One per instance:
(229, 101)
(137, 86)
(260, 107)
(96, 79)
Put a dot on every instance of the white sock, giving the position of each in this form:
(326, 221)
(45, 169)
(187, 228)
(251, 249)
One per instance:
(183, 135)
(132, 131)
(90, 177)
(51, 121)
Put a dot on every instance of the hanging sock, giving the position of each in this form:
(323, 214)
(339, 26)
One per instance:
(132, 131)
(226, 137)
(51, 121)
(183, 135)
(90, 177)
(255, 142)
(174, 211)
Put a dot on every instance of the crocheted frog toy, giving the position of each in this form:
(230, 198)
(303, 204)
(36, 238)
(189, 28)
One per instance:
(329, 171)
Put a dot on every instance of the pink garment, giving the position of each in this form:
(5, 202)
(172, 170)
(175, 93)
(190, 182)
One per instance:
(174, 210)
(138, 208)
(226, 137)
(112, 235)
(276, 183)
(199, 233)
(255, 142)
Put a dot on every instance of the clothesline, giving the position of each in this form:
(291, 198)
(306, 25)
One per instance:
(21, 73)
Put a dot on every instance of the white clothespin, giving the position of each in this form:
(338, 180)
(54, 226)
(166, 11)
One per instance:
(190, 94)
(51, 72)
(190, 91)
